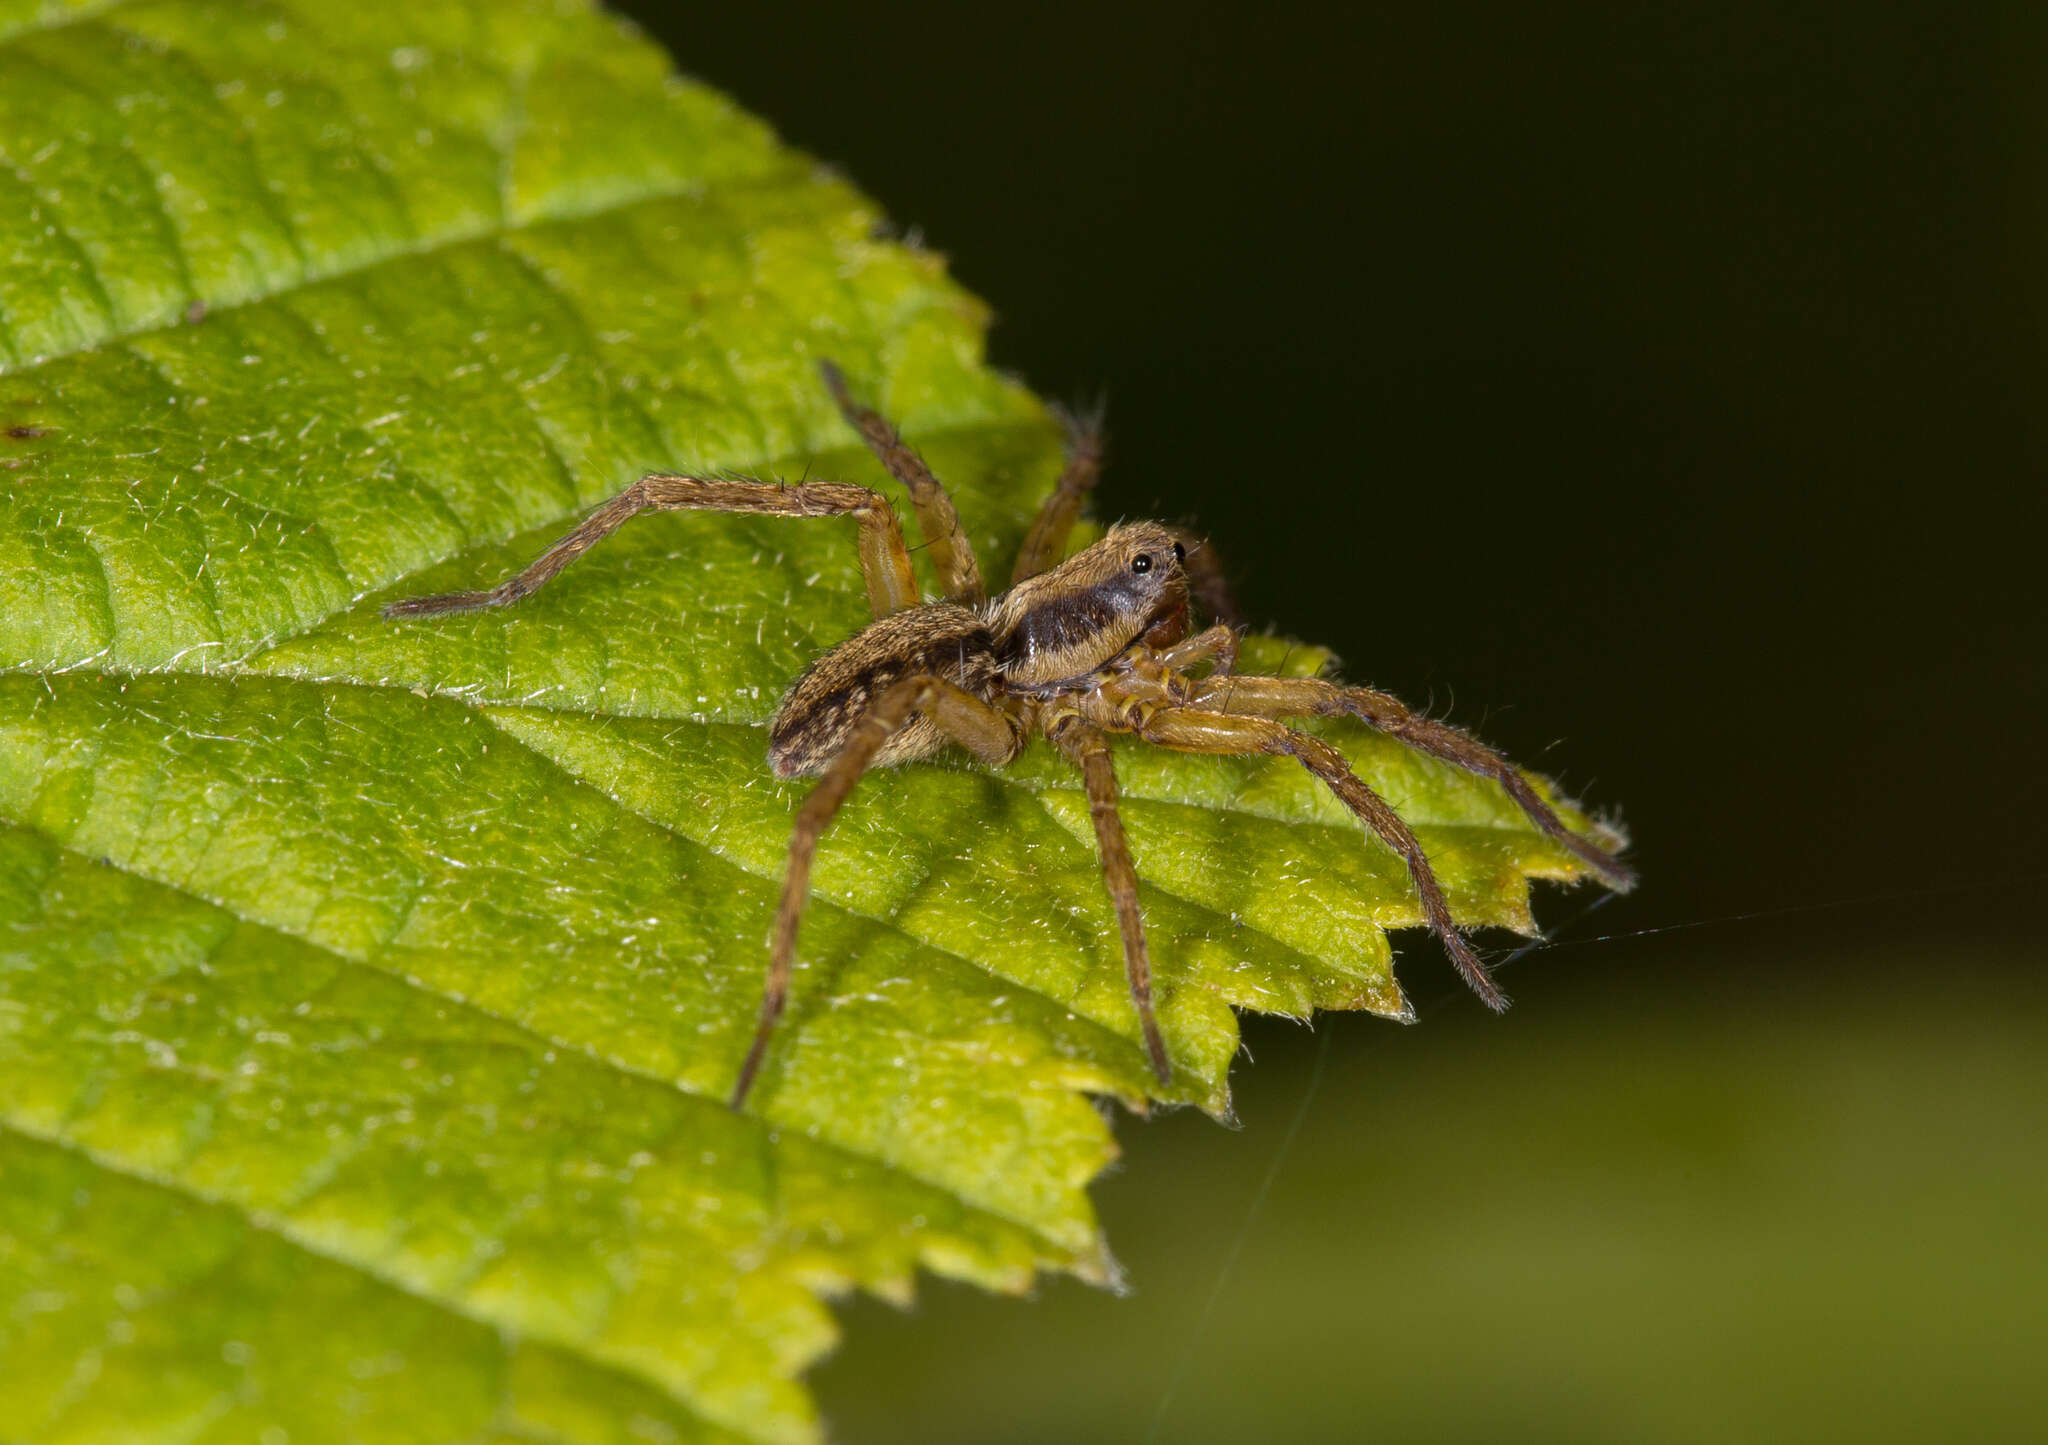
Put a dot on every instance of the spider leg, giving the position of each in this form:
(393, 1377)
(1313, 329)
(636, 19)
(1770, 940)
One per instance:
(989, 733)
(1211, 732)
(1216, 646)
(884, 561)
(1274, 697)
(1046, 543)
(1090, 753)
(952, 555)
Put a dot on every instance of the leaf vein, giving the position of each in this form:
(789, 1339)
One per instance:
(87, 268)
(263, 1222)
(1125, 1043)
(1049, 1249)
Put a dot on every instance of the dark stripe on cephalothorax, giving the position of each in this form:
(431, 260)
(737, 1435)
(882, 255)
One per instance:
(1063, 622)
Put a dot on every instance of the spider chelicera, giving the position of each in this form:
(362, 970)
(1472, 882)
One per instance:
(1102, 642)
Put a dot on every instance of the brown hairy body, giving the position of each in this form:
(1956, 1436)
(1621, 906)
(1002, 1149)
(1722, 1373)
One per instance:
(1076, 649)
(939, 639)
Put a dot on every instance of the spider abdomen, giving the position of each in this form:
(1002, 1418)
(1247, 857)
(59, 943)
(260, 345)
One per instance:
(941, 639)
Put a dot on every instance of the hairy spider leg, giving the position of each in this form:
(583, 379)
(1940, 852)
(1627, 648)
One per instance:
(1277, 697)
(1045, 545)
(1216, 646)
(1211, 732)
(952, 554)
(988, 732)
(1089, 752)
(884, 560)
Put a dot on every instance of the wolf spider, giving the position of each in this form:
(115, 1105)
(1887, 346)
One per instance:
(1099, 643)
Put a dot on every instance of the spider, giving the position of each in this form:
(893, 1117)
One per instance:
(1101, 642)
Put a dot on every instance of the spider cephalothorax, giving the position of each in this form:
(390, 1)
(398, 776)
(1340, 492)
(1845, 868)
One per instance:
(1074, 650)
(1044, 636)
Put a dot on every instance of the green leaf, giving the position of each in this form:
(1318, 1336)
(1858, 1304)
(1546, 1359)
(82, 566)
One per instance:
(369, 993)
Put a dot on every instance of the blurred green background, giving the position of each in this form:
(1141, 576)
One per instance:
(1677, 372)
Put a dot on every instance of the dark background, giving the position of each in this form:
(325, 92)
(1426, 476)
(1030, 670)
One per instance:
(1657, 391)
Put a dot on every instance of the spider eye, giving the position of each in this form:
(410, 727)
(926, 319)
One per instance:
(1142, 562)
(1180, 553)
